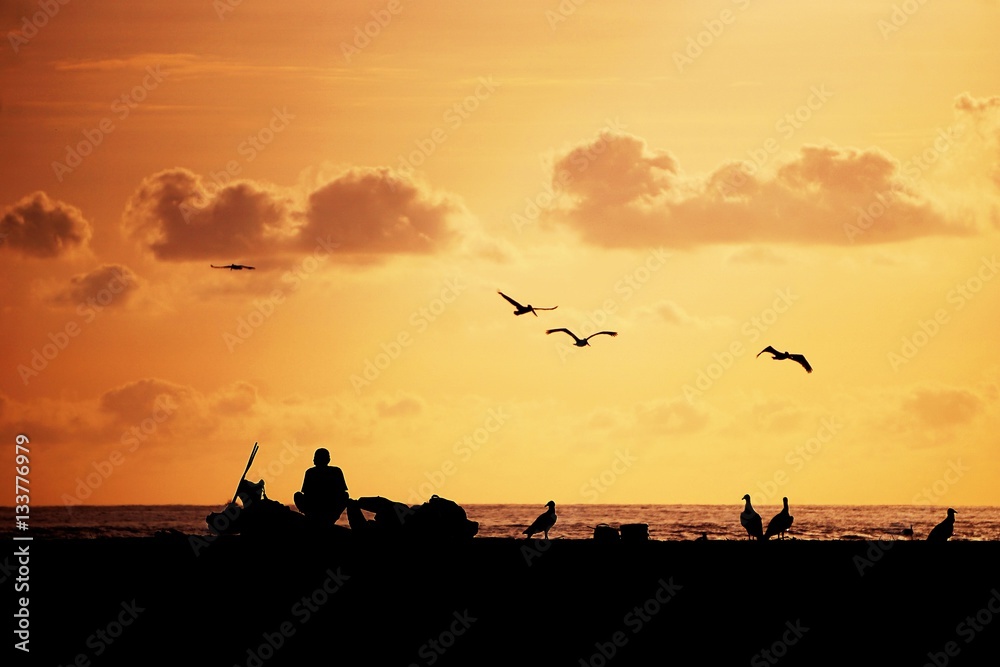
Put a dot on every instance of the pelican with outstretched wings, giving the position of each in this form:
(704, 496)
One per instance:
(521, 310)
(233, 267)
(582, 342)
(787, 355)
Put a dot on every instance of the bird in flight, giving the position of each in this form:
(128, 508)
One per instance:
(233, 267)
(544, 522)
(786, 355)
(581, 342)
(521, 310)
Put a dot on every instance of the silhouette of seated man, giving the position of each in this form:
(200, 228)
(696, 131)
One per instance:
(324, 496)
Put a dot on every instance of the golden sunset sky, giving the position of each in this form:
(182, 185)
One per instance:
(704, 178)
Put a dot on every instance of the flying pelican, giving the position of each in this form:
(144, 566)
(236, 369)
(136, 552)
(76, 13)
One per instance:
(233, 267)
(750, 520)
(544, 522)
(944, 530)
(781, 522)
(785, 355)
(521, 310)
(581, 342)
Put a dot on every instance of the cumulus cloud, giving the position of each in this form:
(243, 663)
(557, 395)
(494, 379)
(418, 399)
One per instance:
(109, 285)
(37, 226)
(617, 192)
(361, 212)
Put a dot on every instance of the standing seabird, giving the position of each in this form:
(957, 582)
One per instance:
(781, 522)
(750, 520)
(944, 530)
(544, 522)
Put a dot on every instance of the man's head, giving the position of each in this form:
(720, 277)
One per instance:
(321, 457)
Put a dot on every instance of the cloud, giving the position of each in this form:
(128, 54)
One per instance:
(37, 226)
(108, 285)
(178, 216)
(360, 212)
(618, 193)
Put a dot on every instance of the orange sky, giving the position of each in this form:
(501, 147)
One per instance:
(704, 178)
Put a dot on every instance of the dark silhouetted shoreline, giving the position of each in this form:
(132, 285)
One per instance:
(306, 600)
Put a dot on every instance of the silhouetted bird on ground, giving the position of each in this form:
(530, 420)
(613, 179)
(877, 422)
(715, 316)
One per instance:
(544, 522)
(703, 538)
(521, 310)
(785, 355)
(944, 530)
(781, 522)
(750, 520)
(907, 532)
(581, 342)
(233, 267)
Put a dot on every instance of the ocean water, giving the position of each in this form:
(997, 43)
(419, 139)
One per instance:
(665, 522)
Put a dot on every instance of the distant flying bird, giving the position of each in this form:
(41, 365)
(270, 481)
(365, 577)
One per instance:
(750, 520)
(544, 522)
(781, 522)
(581, 342)
(521, 310)
(944, 530)
(785, 355)
(233, 267)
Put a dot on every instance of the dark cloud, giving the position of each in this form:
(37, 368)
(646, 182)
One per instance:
(362, 212)
(37, 226)
(179, 216)
(619, 193)
(108, 285)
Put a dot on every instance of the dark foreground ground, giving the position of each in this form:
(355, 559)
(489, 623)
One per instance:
(307, 601)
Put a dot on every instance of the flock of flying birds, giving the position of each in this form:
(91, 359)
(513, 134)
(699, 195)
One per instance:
(584, 342)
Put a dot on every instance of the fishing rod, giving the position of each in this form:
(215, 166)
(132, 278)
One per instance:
(249, 463)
